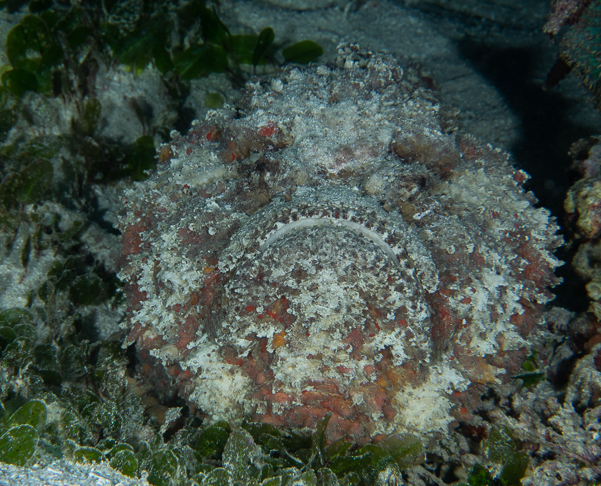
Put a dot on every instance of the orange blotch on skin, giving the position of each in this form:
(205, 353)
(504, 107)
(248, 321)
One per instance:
(389, 412)
(382, 382)
(339, 406)
(281, 397)
(279, 339)
(165, 154)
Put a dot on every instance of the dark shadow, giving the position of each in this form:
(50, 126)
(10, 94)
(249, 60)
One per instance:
(546, 135)
(185, 116)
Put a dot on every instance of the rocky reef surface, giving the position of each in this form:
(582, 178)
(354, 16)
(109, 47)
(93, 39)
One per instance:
(70, 393)
(332, 245)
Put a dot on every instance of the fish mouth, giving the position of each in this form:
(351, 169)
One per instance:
(315, 269)
(309, 222)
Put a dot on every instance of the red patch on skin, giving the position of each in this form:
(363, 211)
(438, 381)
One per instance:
(187, 332)
(275, 420)
(476, 259)
(267, 130)
(389, 412)
(339, 406)
(527, 320)
(519, 176)
(373, 312)
(135, 335)
(210, 285)
(185, 375)
(278, 309)
(135, 296)
(369, 369)
(131, 238)
(281, 398)
(189, 237)
(194, 298)
(263, 345)
(356, 339)
(466, 300)
(538, 273)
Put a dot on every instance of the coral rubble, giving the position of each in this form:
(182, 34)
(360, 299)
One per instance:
(332, 245)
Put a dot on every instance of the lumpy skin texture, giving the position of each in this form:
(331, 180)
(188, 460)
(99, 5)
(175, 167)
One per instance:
(333, 245)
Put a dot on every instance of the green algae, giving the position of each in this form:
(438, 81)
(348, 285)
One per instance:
(17, 445)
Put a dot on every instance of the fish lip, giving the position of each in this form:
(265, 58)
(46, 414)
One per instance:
(356, 228)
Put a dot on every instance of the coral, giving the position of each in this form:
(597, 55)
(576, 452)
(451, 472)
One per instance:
(580, 51)
(564, 434)
(562, 12)
(583, 205)
(326, 247)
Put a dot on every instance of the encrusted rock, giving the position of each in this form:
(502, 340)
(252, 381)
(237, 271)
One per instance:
(332, 246)
(583, 206)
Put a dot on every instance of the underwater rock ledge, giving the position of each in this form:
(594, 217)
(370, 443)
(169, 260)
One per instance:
(333, 245)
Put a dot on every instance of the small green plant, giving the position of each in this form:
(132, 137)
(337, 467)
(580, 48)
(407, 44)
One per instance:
(75, 381)
(502, 449)
(52, 49)
(531, 375)
(88, 429)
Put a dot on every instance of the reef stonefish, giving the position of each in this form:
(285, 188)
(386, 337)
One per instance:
(333, 245)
